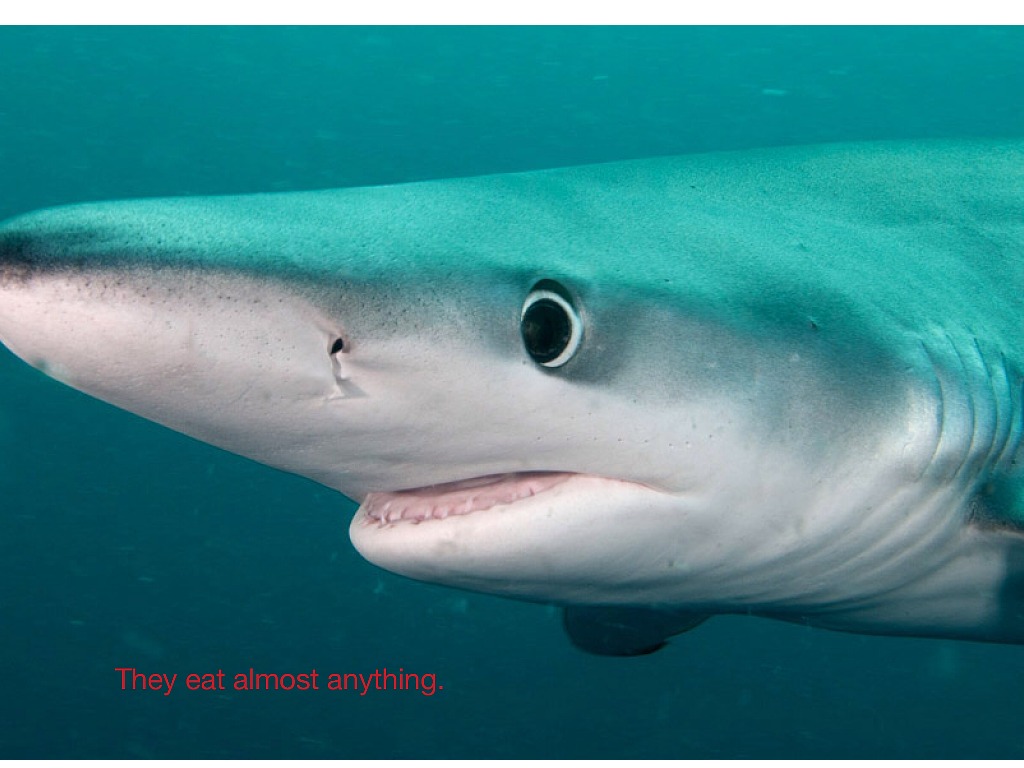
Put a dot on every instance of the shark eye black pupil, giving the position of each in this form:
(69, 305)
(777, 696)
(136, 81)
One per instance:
(550, 324)
(546, 330)
(337, 346)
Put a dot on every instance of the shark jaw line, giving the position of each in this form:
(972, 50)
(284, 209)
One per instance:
(561, 544)
(462, 497)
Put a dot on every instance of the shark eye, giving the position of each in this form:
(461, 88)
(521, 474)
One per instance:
(550, 325)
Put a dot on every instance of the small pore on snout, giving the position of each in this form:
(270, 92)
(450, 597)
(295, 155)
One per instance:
(345, 388)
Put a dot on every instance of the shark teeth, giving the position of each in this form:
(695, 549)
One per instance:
(436, 502)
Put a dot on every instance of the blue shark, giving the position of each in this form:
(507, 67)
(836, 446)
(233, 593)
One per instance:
(785, 383)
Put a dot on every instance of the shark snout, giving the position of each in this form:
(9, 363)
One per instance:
(44, 261)
(21, 254)
(20, 262)
(56, 238)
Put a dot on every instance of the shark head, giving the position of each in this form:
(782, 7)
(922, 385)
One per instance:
(535, 385)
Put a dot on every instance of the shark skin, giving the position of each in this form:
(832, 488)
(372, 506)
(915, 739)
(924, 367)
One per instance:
(787, 382)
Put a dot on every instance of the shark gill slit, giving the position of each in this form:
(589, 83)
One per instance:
(1012, 438)
(971, 423)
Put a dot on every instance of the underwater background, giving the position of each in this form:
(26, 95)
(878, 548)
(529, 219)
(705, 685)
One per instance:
(123, 544)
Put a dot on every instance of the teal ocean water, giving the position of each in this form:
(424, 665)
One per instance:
(123, 544)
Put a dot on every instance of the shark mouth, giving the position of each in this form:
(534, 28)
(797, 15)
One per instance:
(436, 502)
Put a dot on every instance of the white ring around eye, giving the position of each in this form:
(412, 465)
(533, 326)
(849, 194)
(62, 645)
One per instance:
(575, 324)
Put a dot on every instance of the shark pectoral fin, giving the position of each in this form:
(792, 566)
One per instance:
(625, 630)
(998, 530)
(1001, 504)
(976, 594)
(983, 594)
